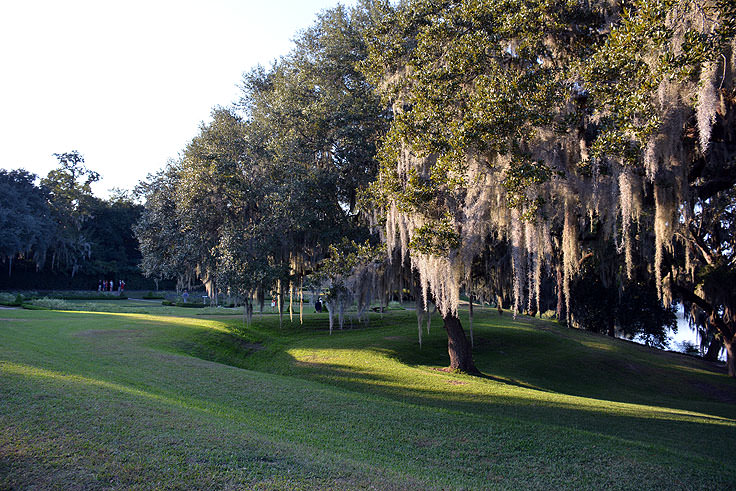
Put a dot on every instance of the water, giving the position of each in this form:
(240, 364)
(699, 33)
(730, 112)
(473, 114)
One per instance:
(686, 334)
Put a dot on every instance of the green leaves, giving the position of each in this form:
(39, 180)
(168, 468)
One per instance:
(521, 177)
(345, 256)
(655, 43)
(435, 239)
(26, 227)
(263, 190)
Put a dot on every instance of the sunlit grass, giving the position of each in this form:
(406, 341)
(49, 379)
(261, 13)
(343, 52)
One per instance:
(7, 368)
(374, 367)
(157, 401)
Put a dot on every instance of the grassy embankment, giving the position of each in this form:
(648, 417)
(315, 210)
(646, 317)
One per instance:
(159, 401)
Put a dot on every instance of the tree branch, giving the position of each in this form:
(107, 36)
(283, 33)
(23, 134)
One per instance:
(707, 307)
(700, 244)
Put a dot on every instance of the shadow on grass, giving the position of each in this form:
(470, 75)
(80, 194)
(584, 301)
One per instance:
(708, 435)
(532, 376)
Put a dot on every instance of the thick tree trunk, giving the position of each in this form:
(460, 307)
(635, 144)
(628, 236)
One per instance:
(211, 289)
(461, 353)
(714, 347)
(247, 311)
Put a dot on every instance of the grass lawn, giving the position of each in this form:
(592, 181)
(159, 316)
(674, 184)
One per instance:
(165, 397)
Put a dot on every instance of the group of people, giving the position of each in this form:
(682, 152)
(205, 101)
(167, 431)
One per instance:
(109, 286)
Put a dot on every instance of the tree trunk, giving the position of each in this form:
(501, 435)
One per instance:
(280, 301)
(560, 296)
(611, 330)
(714, 347)
(726, 329)
(731, 356)
(420, 309)
(291, 302)
(470, 320)
(461, 353)
(247, 310)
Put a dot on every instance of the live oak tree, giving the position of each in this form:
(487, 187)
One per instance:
(525, 138)
(26, 228)
(531, 121)
(315, 108)
(208, 190)
(192, 201)
(476, 88)
(69, 187)
(59, 226)
(265, 188)
(662, 88)
(163, 246)
(350, 275)
(113, 247)
(315, 121)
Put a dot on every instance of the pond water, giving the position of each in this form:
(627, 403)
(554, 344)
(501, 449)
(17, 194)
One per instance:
(686, 334)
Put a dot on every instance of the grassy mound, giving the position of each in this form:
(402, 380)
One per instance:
(183, 400)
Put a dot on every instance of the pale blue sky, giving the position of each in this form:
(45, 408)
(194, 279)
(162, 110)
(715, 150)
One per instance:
(127, 83)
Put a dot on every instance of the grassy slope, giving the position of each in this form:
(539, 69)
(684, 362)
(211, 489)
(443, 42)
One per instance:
(97, 400)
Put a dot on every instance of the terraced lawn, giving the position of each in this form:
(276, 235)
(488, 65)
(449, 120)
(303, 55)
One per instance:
(183, 400)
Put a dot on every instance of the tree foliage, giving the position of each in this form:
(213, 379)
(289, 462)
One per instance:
(58, 227)
(525, 141)
(259, 195)
(70, 201)
(560, 127)
(25, 225)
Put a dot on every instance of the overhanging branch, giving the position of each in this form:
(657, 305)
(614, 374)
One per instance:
(707, 307)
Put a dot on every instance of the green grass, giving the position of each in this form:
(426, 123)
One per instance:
(165, 397)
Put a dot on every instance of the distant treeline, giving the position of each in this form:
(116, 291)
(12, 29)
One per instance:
(54, 234)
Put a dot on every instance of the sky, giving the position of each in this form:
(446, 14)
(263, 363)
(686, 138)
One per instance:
(127, 84)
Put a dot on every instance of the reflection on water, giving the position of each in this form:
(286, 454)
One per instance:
(686, 336)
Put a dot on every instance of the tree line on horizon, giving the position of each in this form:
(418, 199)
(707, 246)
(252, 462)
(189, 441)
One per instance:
(572, 156)
(55, 234)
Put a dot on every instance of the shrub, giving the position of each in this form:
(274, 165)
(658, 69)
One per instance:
(9, 300)
(191, 305)
(88, 296)
(51, 303)
(30, 306)
(153, 296)
(689, 348)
